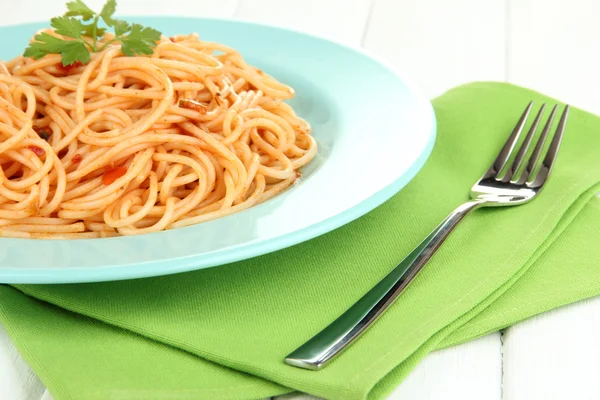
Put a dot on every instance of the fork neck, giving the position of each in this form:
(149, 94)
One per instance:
(431, 243)
(452, 220)
(470, 205)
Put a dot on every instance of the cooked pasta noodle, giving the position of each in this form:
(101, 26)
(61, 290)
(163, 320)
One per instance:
(131, 145)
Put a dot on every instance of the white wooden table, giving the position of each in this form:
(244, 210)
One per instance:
(548, 45)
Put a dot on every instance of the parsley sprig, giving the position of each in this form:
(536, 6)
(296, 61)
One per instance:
(81, 26)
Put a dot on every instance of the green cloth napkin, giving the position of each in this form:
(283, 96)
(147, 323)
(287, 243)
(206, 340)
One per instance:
(222, 333)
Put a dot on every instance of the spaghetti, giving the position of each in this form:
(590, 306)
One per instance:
(131, 145)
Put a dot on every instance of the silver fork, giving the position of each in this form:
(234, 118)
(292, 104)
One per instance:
(502, 185)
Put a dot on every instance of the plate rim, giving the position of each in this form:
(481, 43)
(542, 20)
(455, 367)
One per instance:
(149, 269)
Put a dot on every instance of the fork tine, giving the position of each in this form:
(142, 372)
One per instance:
(550, 158)
(535, 156)
(514, 168)
(504, 155)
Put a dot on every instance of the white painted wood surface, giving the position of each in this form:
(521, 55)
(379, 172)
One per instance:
(548, 45)
(555, 355)
(552, 48)
(441, 43)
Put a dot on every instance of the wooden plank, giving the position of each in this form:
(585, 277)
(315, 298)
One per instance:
(553, 48)
(341, 20)
(441, 44)
(554, 355)
(17, 381)
(471, 371)
(188, 8)
(22, 11)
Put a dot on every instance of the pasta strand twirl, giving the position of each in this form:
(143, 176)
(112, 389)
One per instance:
(131, 145)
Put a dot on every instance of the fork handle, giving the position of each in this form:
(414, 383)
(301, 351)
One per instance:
(338, 335)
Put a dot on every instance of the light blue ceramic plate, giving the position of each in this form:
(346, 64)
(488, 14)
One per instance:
(374, 130)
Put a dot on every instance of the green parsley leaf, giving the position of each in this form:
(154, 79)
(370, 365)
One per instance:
(70, 50)
(140, 40)
(74, 51)
(121, 27)
(88, 30)
(78, 8)
(35, 51)
(108, 11)
(134, 38)
(45, 44)
(67, 26)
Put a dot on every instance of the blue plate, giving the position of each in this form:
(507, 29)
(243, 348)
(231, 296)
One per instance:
(374, 129)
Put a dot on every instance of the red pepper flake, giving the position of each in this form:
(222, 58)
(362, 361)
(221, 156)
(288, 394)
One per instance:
(76, 159)
(37, 150)
(67, 69)
(113, 174)
(193, 105)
